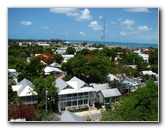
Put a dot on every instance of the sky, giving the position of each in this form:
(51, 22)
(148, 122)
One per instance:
(134, 25)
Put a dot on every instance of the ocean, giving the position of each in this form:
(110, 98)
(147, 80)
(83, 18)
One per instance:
(118, 44)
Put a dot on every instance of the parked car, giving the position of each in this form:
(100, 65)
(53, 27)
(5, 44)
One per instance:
(98, 105)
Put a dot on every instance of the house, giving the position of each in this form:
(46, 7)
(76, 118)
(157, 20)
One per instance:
(67, 57)
(61, 50)
(14, 74)
(25, 91)
(108, 95)
(74, 94)
(99, 86)
(70, 117)
(55, 71)
(111, 77)
(147, 73)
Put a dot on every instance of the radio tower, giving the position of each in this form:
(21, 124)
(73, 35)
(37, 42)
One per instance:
(103, 31)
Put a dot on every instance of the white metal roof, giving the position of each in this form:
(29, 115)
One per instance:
(110, 92)
(70, 117)
(24, 88)
(74, 85)
(49, 69)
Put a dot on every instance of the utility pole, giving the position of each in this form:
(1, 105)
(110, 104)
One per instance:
(46, 98)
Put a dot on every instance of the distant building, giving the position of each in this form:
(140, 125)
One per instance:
(14, 74)
(67, 57)
(55, 71)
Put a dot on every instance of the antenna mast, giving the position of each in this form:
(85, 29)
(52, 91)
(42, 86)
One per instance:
(103, 31)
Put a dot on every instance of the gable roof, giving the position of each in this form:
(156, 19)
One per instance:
(61, 84)
(110, 92)
(100, 86)
(24, 88)
(49, 69)
(70, 117)
(74, 85)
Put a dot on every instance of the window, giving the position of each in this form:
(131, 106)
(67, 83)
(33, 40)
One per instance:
(69, 103)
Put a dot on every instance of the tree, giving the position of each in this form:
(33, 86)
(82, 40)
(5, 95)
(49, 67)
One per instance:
(58, 58)
(141, 105)
(153, 57)
(32, 70)
(70, 50)
(43, 84)
(46, 57)
(21, 111)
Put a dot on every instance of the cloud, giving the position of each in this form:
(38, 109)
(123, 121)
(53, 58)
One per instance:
(73, 12)
(138, 10)
(95, 26)
(82, 33)
(85, 15)
(112, 22)
(144, 28)
(119, 19)
(26, 23)
(45, 27)
(123, 33)
(100, 17)
(127, 24)
(63, 10)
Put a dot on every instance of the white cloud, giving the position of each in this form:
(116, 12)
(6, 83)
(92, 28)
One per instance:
(82, 33)
(112, 22)
(45, 27)
(63, 10)
(127, 24)
(26, 23)
(95, 26)
(144, 28)
(138, 10)
(119, 19)
(73, 12)
(100, 17)
(85, 15)
(123, 33)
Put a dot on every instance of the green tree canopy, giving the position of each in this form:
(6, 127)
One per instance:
(141, 105)
(70, 50)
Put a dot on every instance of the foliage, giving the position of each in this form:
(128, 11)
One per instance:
(12, 96)
(153, 57)
(21, 111)
(58, 58)
(41, 85)
(42, 115)
(70, 50)
(46, 57)
(89, 69)
(114, 83)
(89, 119)
(32, 70)
(141, 105)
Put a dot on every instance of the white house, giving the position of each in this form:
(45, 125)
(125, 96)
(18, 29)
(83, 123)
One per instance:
(67, 57)
(74, 94)
(25, 91)
(56, 71)
(14, 74)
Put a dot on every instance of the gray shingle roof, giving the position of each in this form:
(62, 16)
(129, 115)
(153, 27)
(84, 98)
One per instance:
(70, 117)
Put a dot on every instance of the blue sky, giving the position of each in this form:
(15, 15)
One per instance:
(137, 25)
